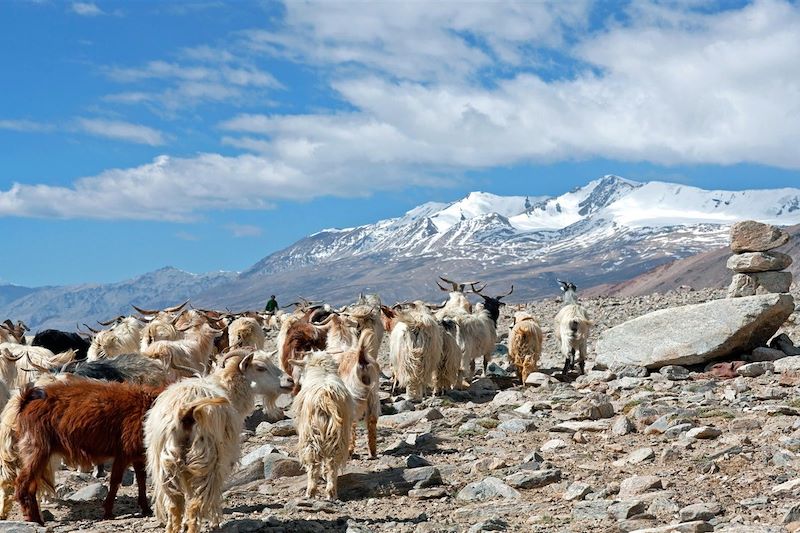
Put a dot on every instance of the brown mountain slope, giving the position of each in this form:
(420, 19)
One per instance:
(704, 270)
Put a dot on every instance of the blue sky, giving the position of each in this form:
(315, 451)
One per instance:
(205, 135)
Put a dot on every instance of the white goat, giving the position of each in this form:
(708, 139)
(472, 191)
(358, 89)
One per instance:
(192, 435)
(246, 331)
(157, 330)
(525, 344)
(324, 412)
(123, 338)
(415, 349)
(360, 373)
(445, 376)
(21, 364)
(572, 325)
(193, 351)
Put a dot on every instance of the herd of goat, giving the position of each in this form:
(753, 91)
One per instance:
(167, 391)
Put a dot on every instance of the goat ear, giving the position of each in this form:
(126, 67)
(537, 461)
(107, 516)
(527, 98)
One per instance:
(245, 363)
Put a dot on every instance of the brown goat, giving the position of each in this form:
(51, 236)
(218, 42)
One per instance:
(299, 336)
(86, 422)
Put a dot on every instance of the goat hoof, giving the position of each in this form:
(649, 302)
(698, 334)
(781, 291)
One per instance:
(146, 511)
(108, 516)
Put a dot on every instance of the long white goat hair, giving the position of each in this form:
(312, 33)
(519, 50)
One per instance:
(246, 331)
(415, 348)
(361, 375)
(122, 338)
(16, 374)
(192, 436)
(455, 304)
(572, 326)
(157, 330)
(446, 375)
(476, 336)
(368, 317)
(193, 351)
(323, 412)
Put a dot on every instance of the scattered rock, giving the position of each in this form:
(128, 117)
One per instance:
(752, 370)
(572, 427)
(93, 492)
(527, 479)
(686, 527)
(517, 425)
(278, 466)
(695, 333)
(622, 426)
(699, 511)
(792, 515)
(636, 485)
(538, 379)
(674, 372)
(640, 456)
(430, 493)
(258, 453)
(765, 354)
(552, 445)
(487, 489)
(703, 432)
(21, 527)
(491, 524)
(408, 419)
(416, 461)
(283, 428)
(577, 491)
(625, 509)
(591, 510)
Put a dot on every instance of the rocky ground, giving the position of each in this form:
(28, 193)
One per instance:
(609, 451)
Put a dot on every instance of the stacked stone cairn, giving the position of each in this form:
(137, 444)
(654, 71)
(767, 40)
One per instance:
(758, 269)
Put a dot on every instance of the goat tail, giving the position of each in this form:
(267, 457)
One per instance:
(194, 413)
(574, 324)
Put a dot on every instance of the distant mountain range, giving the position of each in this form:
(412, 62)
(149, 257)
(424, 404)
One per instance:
(606, 232)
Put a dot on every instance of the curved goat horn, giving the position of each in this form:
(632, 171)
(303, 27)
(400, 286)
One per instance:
(10, 356)
(146, 311)
(176, 308)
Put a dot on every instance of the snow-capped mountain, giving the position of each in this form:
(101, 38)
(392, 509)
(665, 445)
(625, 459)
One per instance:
(607, 231)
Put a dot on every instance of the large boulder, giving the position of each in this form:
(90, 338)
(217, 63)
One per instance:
(759, 262)
(752, 236)
(695, 334)
(759, 283)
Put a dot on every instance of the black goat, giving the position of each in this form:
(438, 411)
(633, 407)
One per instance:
(60, 341)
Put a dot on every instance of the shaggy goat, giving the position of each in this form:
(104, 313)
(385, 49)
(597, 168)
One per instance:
(360, 373)
(157, 330)
(193, 432)
(10, 332)
(296, 337)
(324, 413)
(525, 344)
(246, 331)
(572, 326)
(124, 337)
(193, 351)
(415, 349)
(61, 341)
(130, 368)
(20, 364)
(85, 421)
(445, 376)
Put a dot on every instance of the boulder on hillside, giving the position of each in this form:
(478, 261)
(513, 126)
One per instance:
(752, 236)
(759, 283)
(695, 334)
(750, 262)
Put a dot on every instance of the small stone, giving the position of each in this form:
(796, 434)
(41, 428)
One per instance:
(95, 491)
(283, 428)
(577, 491)
(788, 486)
(517, 425)
(491, 524)
(698, 526)
(752, 370)
(750, 262)
(662, 424)
(422, 477)
(22, 527)
(593, 407)
(677, 429)
(792, 515)
(587, 425)
(487, 489)
(527, 479)
(579, 437)
(765, 354)
(416, 461)
(753, 236)
(631, 371)
(591, 510)
(408, 419)
(508, 397)
(699, 511)
(703, 432)
(640, 456)
(537, 379)
(258, 453)
(625, 509)
(552, 445)
(674, 372)
(430, 493)
(278, 466)
(403, 406)
(636, 485)
(622, 426)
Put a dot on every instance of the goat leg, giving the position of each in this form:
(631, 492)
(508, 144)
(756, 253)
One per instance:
(372, 435)
(117, 471)
(141, 483)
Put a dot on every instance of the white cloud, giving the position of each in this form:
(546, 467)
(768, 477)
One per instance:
(186, 236)
(123, 131)
(244, 230)
(86, 9)
(671, 86)
(25, 125)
